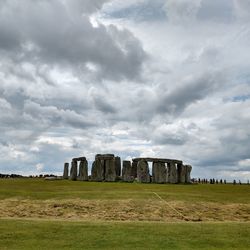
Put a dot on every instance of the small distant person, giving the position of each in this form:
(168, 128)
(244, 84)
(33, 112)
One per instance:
(239, 182)
(234, 182)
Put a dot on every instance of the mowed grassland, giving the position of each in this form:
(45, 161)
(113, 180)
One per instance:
(39, 214)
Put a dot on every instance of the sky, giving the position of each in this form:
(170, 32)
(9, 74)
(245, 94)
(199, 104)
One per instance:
(162, 78)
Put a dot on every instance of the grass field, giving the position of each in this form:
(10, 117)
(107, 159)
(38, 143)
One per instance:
(39, 214)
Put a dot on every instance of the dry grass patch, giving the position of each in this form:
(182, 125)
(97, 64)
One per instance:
(123, 210)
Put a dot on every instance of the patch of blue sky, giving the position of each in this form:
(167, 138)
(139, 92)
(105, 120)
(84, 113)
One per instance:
(241, 98)
(146, 11)
(216, 10)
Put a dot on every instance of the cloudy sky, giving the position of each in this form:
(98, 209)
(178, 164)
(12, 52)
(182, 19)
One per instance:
(159, 78)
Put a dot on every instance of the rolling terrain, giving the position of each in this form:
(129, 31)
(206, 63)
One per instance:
(39, 214)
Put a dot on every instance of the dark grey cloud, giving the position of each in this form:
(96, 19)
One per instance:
(49, 32)
(56, 117)
(103, 106)
(188, 91)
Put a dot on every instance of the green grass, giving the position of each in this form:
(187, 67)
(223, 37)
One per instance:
(28, 234)
(40, 189)
(31, 198)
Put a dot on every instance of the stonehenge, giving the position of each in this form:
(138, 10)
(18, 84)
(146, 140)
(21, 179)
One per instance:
(107, 167)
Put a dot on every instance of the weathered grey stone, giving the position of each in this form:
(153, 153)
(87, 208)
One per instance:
(83, 171)
(97, 171)
(118, 165)
(143, 172)
(126, 171)
(73, 171)
(164, 160)
(110, 170)
(159, 172)
(79, 159)
(66, 170)
(188, 172)
(104, 156)
(181, 171)
(172, 173)
(134, 169)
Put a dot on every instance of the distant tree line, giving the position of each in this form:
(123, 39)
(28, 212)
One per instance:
(215, 181)
(30, 176)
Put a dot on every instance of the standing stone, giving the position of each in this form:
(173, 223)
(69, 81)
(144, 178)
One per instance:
(126, 171)
(188, 172)
(159, 172)
(172, 172)
(93, 171)
(143, 172)
(97, 171)
(181, 171)
(73, 171)
(83, 171)
(167, 178)
(66, 171)
(134, 169)
(110, 170)
(118, 165)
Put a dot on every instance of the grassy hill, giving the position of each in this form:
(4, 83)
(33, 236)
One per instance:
(39, 214)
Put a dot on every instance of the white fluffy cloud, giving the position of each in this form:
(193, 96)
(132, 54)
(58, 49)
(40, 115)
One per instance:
(182, 10)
